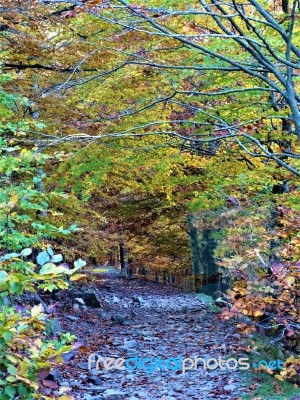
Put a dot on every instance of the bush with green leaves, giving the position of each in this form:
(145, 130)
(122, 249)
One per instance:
(26, 350)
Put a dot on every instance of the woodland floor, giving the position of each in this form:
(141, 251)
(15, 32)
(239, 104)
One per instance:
(145, 319)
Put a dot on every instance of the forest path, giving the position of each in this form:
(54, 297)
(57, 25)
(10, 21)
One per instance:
(145, 319)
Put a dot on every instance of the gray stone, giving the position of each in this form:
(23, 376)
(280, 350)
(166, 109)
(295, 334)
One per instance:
(68, 356)
(129, 344)
(120, 319)
(150, 339)
(132, 353)
(55, 375)
(116, 299)
(104, 315)
(192, 392)
(64, 383)
(72, 318)
(157, 380)
(114, 394)
(138, 300)
(79, 300)
(95, 380)
(83, 365)
(229, 387)
(146, 333)
(130, 377)
(89, 297)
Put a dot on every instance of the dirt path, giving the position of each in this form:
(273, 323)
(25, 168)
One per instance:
(143, 319)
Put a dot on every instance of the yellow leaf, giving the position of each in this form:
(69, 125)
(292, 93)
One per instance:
(78, 277)
(258, 313)
(36, 310)
(12, 359)
(13, 201)
(290, 280)
(279, 377)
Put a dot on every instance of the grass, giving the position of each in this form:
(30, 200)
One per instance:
(269, 388)
(266, 386)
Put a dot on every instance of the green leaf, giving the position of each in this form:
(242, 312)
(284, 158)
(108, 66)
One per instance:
(79, 263)
(50, 251)
(10, 255)
(7, 336)
(26, 252)
(48, 268)
(14, 287)
(3, 276)
(10, 391)
(43, 258)
(57, 258)
(22, 390)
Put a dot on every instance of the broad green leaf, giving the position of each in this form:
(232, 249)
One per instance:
(10, 390)
(10, 255)
(79, 263)
(3, 276)
(26, 252)
(48, 268)
(56, 258)
(50, 251)
(43, 258)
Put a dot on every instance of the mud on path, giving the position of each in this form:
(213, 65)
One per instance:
(144, 319)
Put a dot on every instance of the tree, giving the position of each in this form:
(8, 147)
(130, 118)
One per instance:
(229, 72)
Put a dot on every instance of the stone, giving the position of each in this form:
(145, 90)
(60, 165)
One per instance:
(116, 299)
(114, 394)
(146, 333)
(72, 318)
(119, 319)
(80, 300)
(89, 297)
(129, 344)
(83, 365)
(229, 387)
(55, 375)
(68, 356)
(95, 380)
(138, 299)
(104, 315)
(192, 392)
(184, 309)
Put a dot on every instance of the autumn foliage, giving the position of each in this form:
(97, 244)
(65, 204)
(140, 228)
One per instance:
(134, 115)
